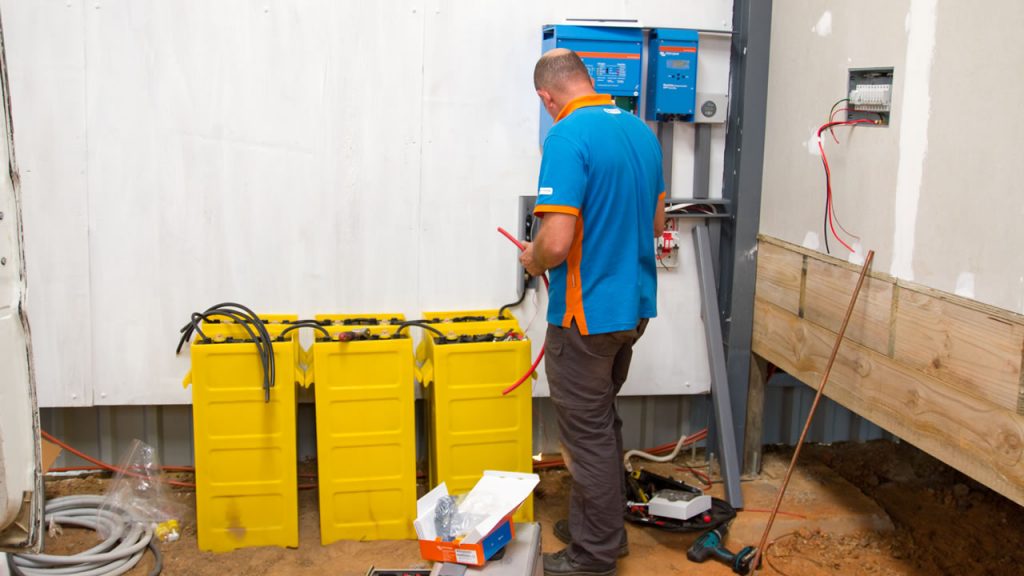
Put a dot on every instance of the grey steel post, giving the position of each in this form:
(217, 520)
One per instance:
(720, 392)
(702, 184)
(701, 160)
(744, 162)
(666, 135)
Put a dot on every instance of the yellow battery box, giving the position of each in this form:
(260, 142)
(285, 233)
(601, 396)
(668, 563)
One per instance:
(366, 429)
(245, 447)
(471, 426)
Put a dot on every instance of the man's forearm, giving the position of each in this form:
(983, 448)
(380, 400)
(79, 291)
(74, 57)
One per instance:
(551, 246)
(544, 255)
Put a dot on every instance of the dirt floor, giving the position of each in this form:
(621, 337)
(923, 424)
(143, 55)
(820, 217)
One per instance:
(879, 508)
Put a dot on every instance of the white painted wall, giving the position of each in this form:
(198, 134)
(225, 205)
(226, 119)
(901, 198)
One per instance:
(309, 156)
(935, 194)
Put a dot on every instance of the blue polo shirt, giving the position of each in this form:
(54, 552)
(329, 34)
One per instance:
(602, 165)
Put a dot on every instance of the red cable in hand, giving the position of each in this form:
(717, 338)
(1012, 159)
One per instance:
(540, 355)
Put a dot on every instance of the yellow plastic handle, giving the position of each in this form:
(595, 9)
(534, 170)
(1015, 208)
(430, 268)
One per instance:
(188, 380)
(425, 373)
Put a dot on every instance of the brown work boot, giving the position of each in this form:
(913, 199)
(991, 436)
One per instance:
(559, 564)
(563, 534)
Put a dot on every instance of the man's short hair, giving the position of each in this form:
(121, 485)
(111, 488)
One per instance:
(559, 68)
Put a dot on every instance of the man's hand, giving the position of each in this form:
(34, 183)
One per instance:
(551, 245)
(528, 261)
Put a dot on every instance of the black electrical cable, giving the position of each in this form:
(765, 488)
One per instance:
(305, 324)
(522, 296)
(246, 317)
(418, 324)
(271, 370)
(824, 224)
(263, 347)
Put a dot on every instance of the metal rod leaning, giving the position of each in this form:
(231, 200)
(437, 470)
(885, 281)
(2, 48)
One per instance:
(810, 416)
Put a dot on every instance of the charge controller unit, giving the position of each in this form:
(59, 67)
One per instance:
(612, 56)
(671, 75)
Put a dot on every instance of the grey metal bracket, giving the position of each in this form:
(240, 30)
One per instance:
(725, 432)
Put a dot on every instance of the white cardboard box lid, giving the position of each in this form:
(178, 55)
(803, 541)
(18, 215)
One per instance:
(500, 492)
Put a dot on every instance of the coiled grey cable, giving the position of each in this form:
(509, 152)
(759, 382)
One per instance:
(123, 548)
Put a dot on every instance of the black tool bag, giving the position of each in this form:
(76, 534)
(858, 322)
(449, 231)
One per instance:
(642, 485)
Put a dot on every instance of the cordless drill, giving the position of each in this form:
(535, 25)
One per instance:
(709, 545)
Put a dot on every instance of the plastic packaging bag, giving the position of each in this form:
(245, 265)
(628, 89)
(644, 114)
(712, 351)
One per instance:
(138, 491)
(454, 516)
(444, 518)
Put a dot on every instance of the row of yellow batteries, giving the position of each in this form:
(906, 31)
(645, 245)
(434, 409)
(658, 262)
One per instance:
(364, 389)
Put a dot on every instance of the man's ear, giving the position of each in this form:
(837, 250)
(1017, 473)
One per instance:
(545, 96)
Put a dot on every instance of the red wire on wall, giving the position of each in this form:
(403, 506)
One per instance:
(828, 176)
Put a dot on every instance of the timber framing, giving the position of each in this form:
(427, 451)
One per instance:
(940, 371)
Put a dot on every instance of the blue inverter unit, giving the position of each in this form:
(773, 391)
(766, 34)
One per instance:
(612, 56)
(671, 75)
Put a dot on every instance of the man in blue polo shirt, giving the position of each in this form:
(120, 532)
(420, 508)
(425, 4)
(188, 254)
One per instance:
(600, 194)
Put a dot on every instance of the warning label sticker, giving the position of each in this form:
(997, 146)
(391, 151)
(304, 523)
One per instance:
(466, 557)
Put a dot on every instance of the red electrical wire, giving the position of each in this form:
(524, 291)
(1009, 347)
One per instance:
(828, 174)
(540, 355)
(832, 118)
(101, 465)
(704, 478)
(104, 465)
(835, 215)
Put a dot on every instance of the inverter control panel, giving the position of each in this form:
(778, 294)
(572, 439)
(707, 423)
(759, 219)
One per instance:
(613, 56)
(671, 75)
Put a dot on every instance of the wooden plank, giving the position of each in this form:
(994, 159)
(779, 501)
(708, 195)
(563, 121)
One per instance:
(975, 436)
(779, 276)
(827, 294)
(977, 353)
(994, 311)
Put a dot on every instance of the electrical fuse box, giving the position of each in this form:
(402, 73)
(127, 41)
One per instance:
(870, 95)
(671, 75)
(612, 56)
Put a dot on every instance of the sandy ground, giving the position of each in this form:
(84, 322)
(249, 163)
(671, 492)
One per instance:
(877, 508)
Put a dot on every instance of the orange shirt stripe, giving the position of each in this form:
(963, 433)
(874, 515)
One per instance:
(574, 283)
(556, 208)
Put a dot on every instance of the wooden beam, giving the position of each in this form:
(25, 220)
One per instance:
(973, 435)
(753, 443)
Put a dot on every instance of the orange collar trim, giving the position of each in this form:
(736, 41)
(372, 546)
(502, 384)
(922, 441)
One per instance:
(584, 101)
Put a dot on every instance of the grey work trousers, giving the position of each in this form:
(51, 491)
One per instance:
(585, 373)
